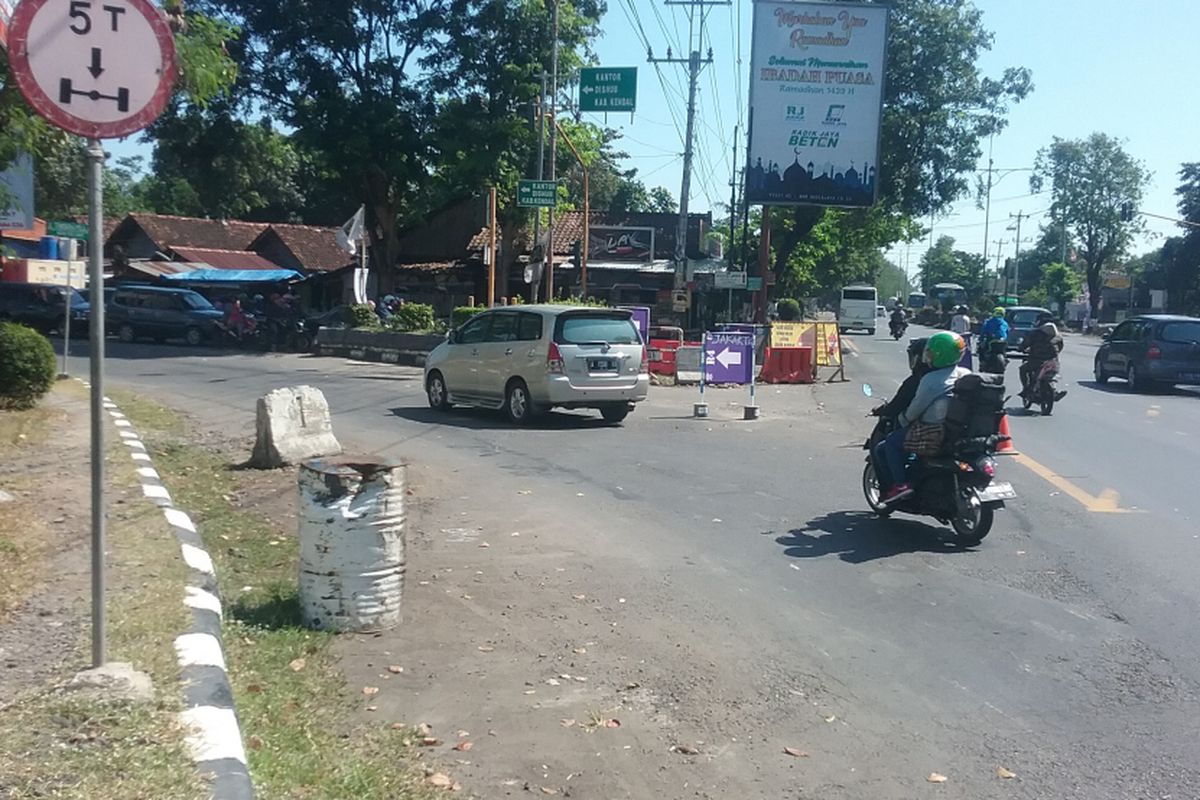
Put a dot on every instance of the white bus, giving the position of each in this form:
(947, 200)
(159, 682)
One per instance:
(857, 309)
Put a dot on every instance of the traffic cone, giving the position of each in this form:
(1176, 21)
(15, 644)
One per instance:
(1006, 447)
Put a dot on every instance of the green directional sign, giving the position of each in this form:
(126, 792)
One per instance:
(537, 194)
(608, 89)
(69, 230)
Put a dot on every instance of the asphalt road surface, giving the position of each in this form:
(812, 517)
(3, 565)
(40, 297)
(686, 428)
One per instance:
(746, 601)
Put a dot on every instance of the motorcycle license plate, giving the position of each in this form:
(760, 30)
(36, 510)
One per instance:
(996, 492)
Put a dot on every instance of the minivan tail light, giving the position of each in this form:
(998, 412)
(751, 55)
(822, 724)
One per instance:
(1154, 352)
(645, 368)
(554, 360)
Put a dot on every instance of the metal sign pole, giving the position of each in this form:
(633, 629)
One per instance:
(751, 411)
(700, 409)
(95, 155)
(67, 316)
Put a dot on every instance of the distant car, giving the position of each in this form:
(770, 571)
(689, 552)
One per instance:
(41, 306)
(161, 313)
(1022, 320)
(1155, 349)
(526, 360)
(881, 311)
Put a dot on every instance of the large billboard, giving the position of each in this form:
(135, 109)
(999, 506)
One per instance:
(16, 195)
(620, 243)
(816, 94)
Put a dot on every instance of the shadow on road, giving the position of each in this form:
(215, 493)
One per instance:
(857, 537)
(479, 419)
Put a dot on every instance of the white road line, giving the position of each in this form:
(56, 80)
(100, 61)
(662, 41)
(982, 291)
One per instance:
(213, 734)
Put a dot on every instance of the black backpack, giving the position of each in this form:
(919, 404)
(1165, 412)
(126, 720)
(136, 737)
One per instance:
(976, 405)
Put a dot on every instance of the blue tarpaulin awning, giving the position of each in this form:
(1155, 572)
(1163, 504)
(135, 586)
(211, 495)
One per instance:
(236, 276)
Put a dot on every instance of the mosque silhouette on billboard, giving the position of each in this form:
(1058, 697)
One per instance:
(804, 184)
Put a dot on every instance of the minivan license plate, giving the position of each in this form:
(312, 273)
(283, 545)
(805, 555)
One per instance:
(602, 365)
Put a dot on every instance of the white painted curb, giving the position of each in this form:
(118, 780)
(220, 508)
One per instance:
(213, 735)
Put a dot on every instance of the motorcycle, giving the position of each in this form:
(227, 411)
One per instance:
(1043, 389)
(993, 356)
(898, 329)
(957, 488)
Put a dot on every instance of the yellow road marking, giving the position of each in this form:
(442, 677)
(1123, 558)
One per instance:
(849, 345)
(1108, 502)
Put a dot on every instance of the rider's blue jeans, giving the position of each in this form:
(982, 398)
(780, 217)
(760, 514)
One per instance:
(890, 458)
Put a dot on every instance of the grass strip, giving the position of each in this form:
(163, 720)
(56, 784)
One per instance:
(294, 706)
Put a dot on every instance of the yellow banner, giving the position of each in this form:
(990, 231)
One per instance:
(790, 334)
(829, 347)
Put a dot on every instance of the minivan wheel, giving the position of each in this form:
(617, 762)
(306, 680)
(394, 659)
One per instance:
(518, 405)
(435, 389)
(616, 412)
(193, 336)
(1135, 380)
(1098, 372)
(125, 333)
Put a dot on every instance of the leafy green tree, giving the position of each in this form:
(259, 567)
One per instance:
(891, 281)
(1059, 285)
(1181, 255)
(409, 105)
(943, 264)
(1095, 185)
(662, 201)
(209, 163)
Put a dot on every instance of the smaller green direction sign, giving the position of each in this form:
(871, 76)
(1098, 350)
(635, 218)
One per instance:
(754, 283)
(537, 194)
(608, 89)
(69, 230)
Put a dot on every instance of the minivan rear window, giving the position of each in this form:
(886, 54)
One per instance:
(590, 328)
(1181, 332)
(1024, 318)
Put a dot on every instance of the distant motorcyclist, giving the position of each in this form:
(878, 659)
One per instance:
(1043, 344)
(995, 327)
(942, 353)
(960, 323)
(898, 320)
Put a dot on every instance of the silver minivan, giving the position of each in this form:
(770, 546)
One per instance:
(527, 359)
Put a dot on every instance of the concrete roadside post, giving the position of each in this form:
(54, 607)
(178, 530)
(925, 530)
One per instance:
(63, 373)
(700, 410)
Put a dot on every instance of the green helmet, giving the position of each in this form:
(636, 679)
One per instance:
(944, 349)
(998, 312)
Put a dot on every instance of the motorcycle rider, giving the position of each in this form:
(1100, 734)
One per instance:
(908, 389)
(943, 351)
(960, 323)
(995, 327)
(1043, 344)
(899, 319)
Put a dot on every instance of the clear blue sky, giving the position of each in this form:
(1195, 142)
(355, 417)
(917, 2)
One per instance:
(1101, 65)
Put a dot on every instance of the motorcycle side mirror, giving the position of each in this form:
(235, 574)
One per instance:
(867, 390)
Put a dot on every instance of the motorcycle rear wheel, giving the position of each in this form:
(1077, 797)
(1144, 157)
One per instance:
(973, 521)
(872, 492)
(1048, 406)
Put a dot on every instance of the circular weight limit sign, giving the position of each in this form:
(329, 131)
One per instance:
(97, 68)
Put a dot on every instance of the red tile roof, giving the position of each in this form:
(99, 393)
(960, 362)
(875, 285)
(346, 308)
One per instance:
(223, 259)
(169, 231)
(33, 234)
(315, 248)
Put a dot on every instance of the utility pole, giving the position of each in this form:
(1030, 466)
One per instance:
(541, 172)
(1019, 216)
(987, 209)
(733, 187)
(696, 15)
(1000, 272)
(553, 150)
